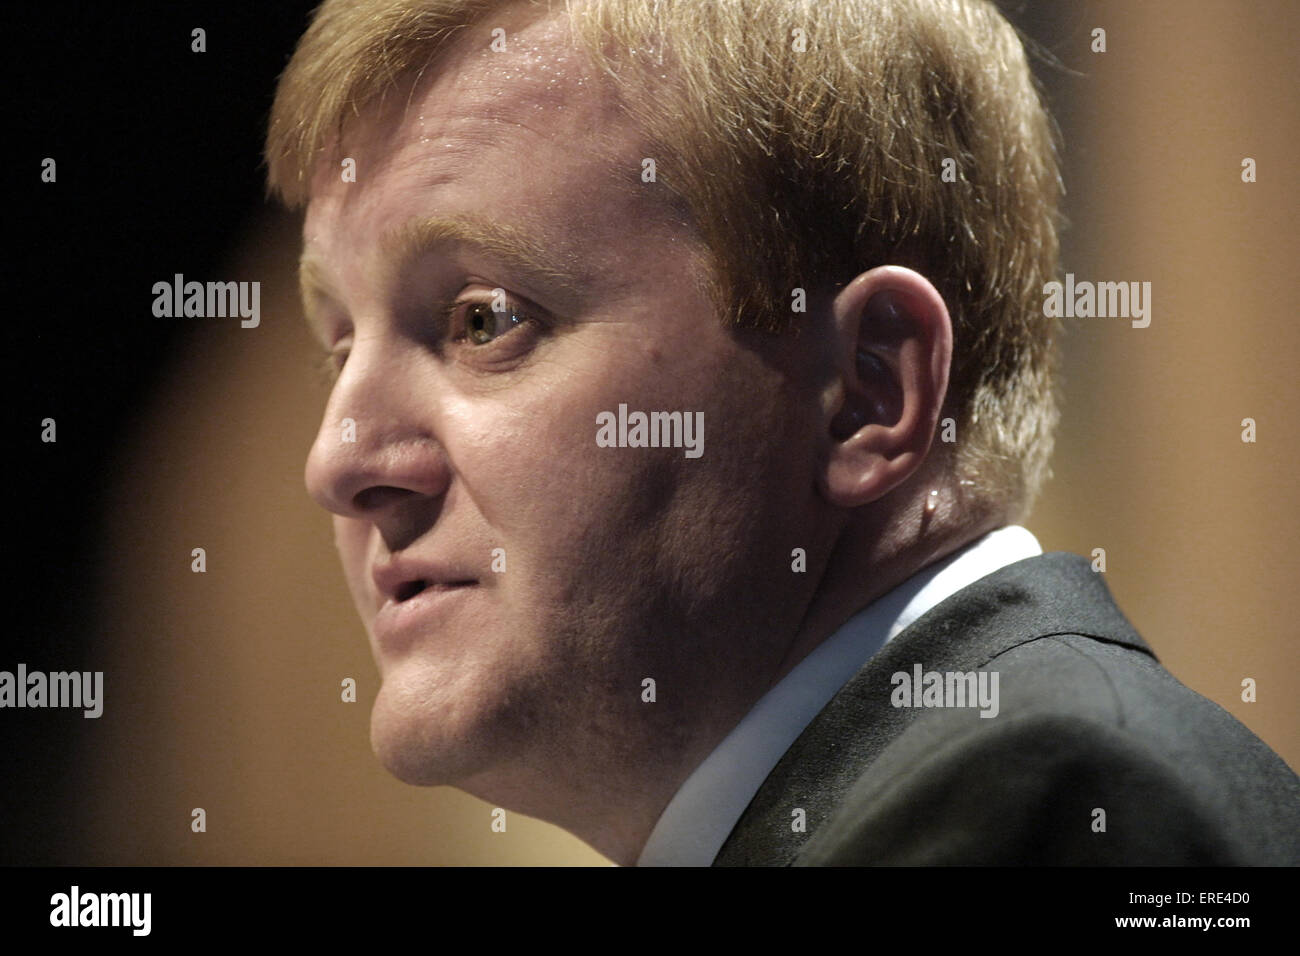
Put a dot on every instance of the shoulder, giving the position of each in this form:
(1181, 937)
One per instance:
(1097, 755)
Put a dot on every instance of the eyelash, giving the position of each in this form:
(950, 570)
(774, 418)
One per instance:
(446, 314)
(327, 368)
(331, 363)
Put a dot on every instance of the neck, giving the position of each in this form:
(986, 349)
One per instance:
(871, 557)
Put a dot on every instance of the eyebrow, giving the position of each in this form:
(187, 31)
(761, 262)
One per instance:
(313, 285)
(507, 245)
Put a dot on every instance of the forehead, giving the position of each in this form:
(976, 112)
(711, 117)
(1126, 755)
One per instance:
(532, 136)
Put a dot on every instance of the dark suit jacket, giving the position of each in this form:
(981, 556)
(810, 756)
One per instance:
(1088, 721)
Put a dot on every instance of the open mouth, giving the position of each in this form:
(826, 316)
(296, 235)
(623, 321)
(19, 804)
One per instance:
(411, 588)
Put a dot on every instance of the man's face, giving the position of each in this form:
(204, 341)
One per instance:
(519, 581)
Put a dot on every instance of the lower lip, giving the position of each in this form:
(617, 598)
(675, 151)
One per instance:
(398, 621)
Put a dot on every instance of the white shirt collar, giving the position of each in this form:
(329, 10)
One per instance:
(706, 808)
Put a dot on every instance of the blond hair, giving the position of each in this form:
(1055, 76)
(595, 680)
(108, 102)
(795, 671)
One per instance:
(809, 142)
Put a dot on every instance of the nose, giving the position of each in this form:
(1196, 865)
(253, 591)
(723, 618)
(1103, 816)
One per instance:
(376, 448)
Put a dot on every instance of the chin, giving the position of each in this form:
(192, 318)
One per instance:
(413, 744)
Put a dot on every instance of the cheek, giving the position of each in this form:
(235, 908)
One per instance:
(583, 512)
(526, 453)
(575, 519)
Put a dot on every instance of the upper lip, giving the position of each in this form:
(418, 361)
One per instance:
(399, 578)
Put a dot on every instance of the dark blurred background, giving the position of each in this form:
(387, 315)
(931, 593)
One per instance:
(221, 689)
(158, 153)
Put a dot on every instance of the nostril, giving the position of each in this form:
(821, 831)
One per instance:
(410, 589)
(379, 496)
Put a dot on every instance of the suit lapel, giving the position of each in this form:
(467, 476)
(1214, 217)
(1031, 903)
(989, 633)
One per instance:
(1049, 594)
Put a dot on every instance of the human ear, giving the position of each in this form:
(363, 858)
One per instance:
(892, 350)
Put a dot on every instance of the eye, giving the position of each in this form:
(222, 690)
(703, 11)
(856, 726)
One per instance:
(329, 364)
(484, 324)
